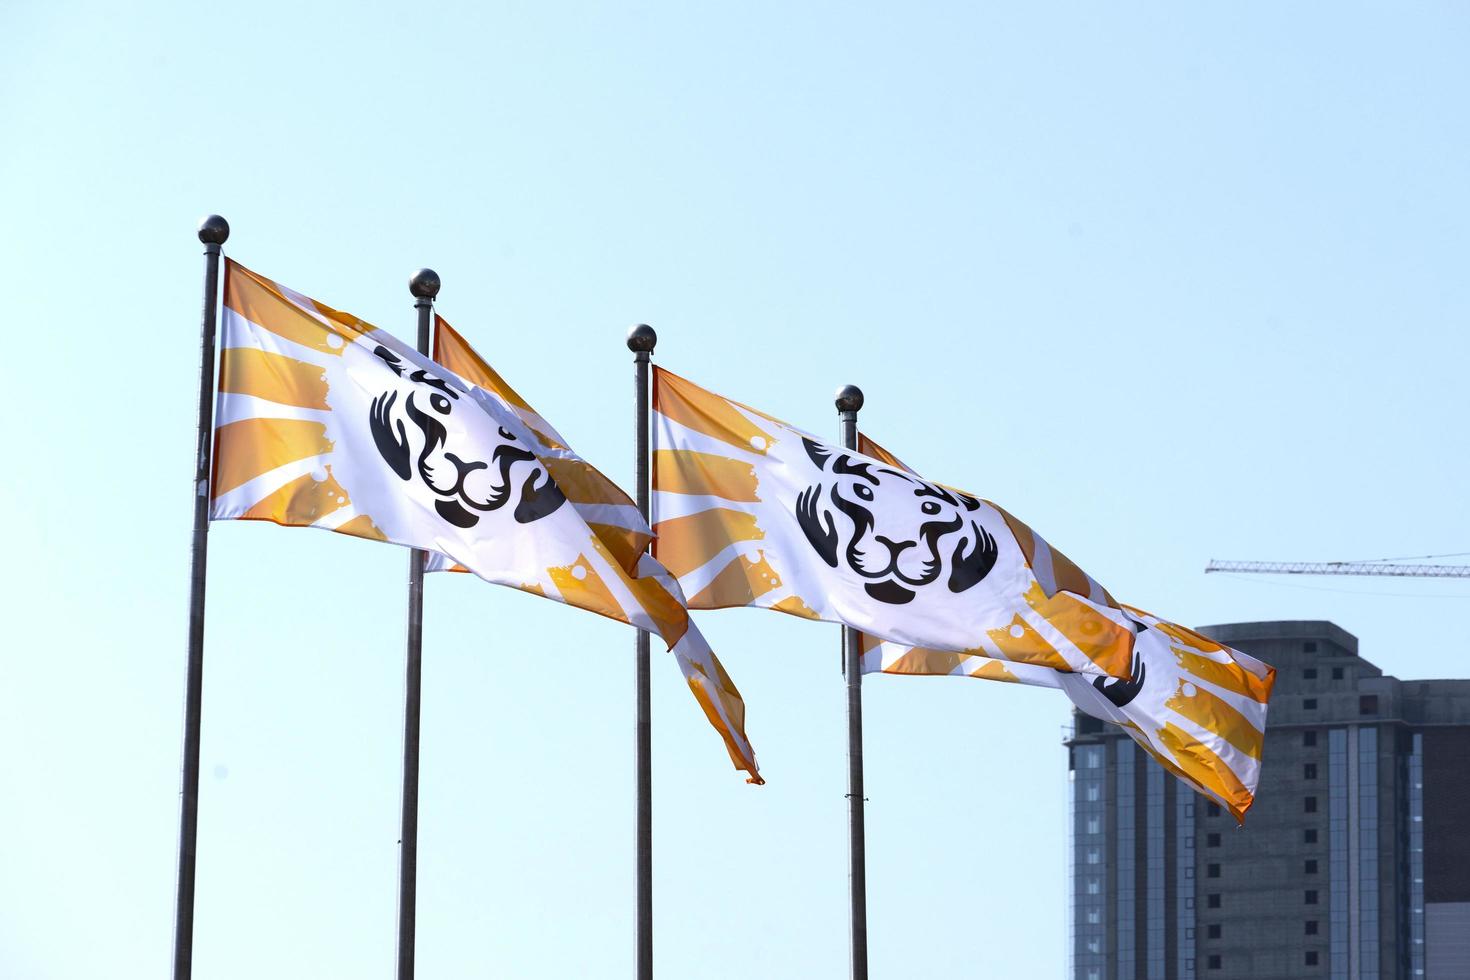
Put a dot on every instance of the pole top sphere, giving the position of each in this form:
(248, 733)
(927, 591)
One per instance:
(213, 230)
(641, 338)
(849, 398)
(424, 284)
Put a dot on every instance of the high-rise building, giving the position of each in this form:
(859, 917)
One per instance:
(1353, 864)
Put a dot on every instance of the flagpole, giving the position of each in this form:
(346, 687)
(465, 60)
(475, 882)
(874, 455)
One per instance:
(424, 285)
(641, 341)
(213, 231)
(849, 403)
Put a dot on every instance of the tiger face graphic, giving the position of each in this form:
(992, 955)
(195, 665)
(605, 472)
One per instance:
(898, 532)
(466, 488)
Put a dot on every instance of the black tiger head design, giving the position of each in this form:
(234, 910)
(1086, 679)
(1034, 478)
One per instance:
(466, 488)
(897, 531)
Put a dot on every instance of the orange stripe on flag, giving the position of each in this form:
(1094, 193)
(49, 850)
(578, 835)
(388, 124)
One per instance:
(251, 447)
(625, 545)
(305, 500)
(922, 660)
(1105, 643)
(794, 605)
(705, 412)
(1214, 714)
(582, 483)
(1231, 677)
(683, 544)
(1021, 643)
(738, 584)
(1189, 637)
(273, 377)
(586, 590)
(260, 301)
(994, 670)
(734, 706)
(362, 526)
(1201, 765)
(1064, 570)
(686, 471)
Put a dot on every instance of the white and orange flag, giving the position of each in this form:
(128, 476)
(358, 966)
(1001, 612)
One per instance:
(1196, 706)
(749, 511)
(325, 421)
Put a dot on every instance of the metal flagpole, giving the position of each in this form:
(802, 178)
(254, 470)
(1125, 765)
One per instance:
(213, 231)
(849, 402)
(641, 341)
(424, 285)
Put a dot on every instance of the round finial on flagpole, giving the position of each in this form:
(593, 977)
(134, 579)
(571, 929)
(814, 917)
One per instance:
(424, 284)
(849, 398)
(213, 230)
(641, 338)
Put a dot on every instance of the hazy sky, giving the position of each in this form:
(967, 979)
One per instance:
(1168, 284)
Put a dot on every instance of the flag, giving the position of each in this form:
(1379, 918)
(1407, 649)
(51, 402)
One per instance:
(749, 511)
(1197, 706)
(325, 421)
(618, 527)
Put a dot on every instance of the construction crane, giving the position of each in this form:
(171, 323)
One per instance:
(1343, 568)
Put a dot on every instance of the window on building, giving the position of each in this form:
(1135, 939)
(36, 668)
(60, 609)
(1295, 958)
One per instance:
(1337, 673)
(1309, 836)
(1310, 867)
(1310, 896)
(1309, 738)
(1213, 930)
(1212, 809)
(1368, 704)
(1310, 674)
(1213, 961)
(1094, 916)
(1092, 886)
(1094, 825)
(1212, 840)
(1092, 855)
(1309, 771)
(1309, 805)
(1309, 647)
(1311, 929)
(1212, 900)
(1311, 957)
(1212, 871)
(1309, 704)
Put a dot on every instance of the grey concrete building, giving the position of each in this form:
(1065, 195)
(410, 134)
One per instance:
(1353, 864)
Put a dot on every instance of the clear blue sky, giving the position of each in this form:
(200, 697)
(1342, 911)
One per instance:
(1168, 284)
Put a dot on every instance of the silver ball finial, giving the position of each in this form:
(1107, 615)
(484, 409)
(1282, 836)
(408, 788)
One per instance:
(424, 284)
(641, 338)
(213, 230)
(849, 398)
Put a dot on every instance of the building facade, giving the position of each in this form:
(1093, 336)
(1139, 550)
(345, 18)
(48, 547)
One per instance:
(1353, 864)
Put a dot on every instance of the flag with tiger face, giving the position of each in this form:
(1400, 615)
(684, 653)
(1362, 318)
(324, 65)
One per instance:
(749, 511)
(1197, 706)
(323, 420)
